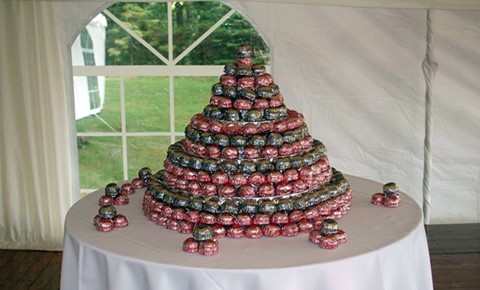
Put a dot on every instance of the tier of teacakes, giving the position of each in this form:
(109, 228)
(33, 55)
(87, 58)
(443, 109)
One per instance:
(246, 155)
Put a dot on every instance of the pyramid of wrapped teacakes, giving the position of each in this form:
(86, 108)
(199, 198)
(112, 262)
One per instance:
(247, 165)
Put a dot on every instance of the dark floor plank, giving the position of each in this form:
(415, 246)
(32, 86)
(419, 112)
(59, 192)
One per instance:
(5, 256)
(9, 268)
(456, 271)
(21, 269)
(453, 238)
(49, 278)
(34, 271)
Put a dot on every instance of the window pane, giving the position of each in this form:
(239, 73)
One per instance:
(103, 119)
(100, 161)
(146, 152)
(147, 20)
(218, 47)
(192, 94)
(147, 104)
(192, 19)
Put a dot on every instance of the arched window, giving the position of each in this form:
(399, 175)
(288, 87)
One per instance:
(161, 60)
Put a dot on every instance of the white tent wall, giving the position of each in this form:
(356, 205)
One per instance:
(356, 74)
(456, 106)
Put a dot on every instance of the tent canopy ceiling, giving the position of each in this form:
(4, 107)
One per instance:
(393, 4)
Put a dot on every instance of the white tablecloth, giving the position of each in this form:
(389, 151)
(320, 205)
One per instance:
(386, 249)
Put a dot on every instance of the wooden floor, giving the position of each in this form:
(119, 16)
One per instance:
(454, 255)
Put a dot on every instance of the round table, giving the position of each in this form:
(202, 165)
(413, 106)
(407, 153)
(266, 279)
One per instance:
(386, 249)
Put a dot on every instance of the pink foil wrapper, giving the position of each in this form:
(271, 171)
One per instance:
(253, 232)
(283, 188)
(272, 231)
(127, 188)
(220, 177)
(305, 226)
(297, 147)
(274, 177)
(153, 216)
(96, 220)
(269, 152)
(314, 236)
(341, 237)
(120, 221)
(178, 214)
(209, 189)
(276, 101)
(261, 104)
(295, 216)
(243, 220)
(323, 209)
(266, 190)
(249, 129)
(261, 219)
(317, 222)
(246, 82)
(230, 152)
(157, 207)
(235, 232)
(190, 174)
(105, 225)
(194, 187)
(227, 190)
(280, 126)
(280, 218)
(225, 219)
(285, 150)
(219, 231)
(122, 200)
(264, 80)
(224, 103)
(208, 218)
(162, 221)
(216, 126)
(208, 248)
(228, 80)
(203, 176)
(166, 212)
(247, 191)
(185, 227)
(256, 178)
(311, 213)
(238, 179)
(391, 201)
(173, 224)
(377, 198)
(299, 185)
(190, 245)
(214, 100)
(328, 242)
(138, 183)
(193, 216)
(242, 104)
(106, 200)
(290, 230)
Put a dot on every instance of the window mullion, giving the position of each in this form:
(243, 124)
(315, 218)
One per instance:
(170, 74)
(124, 128)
